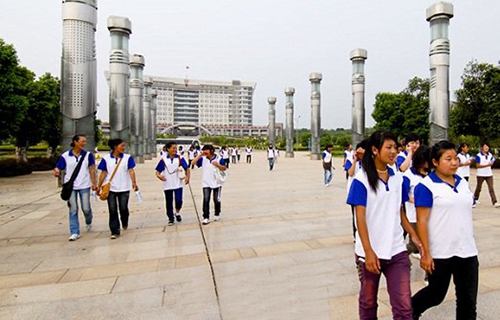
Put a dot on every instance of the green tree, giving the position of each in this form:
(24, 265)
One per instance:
(47, 97)
(477, 109)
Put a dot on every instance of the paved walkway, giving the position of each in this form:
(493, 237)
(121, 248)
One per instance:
(282, 250)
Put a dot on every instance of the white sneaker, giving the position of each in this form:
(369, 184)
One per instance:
(327, 185)
(496, 205)
(88, 227)
(206, 221)
(74, 237)
(416, 256)
(216, 218)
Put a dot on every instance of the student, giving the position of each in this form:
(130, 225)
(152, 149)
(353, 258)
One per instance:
(249, 151)
(84, 182)
(348, 153)
(464, 161)
(377, 194)
(484, 162)
(123, 180)
(444, 223)
(352, 166)
(327, 165)
(210, 162)
(224, 153)
(271, 156)
(167, 171)
(411, 178)
(233, 153)
(403, 161)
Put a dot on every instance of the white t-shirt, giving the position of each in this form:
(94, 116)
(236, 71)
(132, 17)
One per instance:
(484, 159)
(450, 227)
(121, 181)
(327, 156)
(208, 179)
(348, 164)
(464, 171)
(68, 162)
(383, 213)
(411, 178)
(270, 153)
(169, 168)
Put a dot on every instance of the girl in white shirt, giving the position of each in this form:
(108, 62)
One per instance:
(465, 161)
(484, 162)
(444, 223)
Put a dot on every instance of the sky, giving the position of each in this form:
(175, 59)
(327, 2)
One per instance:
(274, 43)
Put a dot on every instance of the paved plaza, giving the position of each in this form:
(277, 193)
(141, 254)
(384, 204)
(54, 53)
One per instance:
(283, 249)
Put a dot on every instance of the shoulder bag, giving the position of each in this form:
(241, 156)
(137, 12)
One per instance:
(107, 187)
(67, 187)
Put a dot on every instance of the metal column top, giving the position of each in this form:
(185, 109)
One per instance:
(315, 77)
(289, 91)
(440, 9)
(122, 24)
(137, 60)
(359, 54)
(271, 100)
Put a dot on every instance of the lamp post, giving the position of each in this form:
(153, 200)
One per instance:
(297, 131)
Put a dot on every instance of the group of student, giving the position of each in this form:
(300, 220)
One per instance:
(417, 193)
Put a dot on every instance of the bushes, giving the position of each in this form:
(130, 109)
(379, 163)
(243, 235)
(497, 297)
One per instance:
(12, 168)
(42, 163)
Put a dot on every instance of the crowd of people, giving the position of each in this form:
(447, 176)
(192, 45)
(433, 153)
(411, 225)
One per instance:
(405, 199)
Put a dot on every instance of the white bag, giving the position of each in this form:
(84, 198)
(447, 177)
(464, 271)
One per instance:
(220, 176)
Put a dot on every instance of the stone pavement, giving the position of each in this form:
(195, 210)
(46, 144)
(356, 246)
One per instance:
(282, 250)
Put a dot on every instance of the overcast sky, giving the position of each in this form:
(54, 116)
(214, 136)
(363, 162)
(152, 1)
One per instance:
(275, 43)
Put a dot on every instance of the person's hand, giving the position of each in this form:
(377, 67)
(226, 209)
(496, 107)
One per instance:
(56, 172)
(94, 188)
(162, 177)
(98, 191)
(427, 263)
(134, 186)
(186, 180)
(372, 263)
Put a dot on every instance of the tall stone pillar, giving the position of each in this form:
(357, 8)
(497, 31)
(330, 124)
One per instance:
(154, 95)
(78, 71)
(272, 120)
(120, 29)
(315, 79)
(358, 57)
(289, 92)
(439, 16)
(148, 83)
(136, 107)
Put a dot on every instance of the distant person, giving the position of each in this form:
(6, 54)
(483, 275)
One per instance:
(352, 166)
(465, 160)
(167, 170)
(192, 153)
(83, 183)
(327, 165)
(123, 180)
(234, 155)
(403, 161)
(348, 152)
(484, 162)
(377, 194)
(210, 162)
(248, 151)
(271, 156)
(444, 210)
(225, 155)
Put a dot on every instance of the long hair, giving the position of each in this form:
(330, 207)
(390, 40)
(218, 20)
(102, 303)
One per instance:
(376, 140)
(439, 148)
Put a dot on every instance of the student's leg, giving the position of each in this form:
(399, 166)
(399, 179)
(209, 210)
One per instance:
(86, 208)
(368, 292)
(397, 274)
(217, 200)
(178, 200)
(465, 277)
(114, 224)
(74, 225)
(489, 182)
(479, 184)
(123, 205)
(169, 205)
(206, 202)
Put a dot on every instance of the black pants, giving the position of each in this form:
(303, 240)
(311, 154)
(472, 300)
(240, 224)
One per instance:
(118, 200)
(206, 201)
(249, 158)
(169, 202)
(465, 278)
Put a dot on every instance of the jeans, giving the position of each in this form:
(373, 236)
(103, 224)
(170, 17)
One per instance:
(169, 202)
(118, 200)
(271, 164)
(249, 158)
(206, 201)
(489, 182)
(74, 224)
(328, 175)
(397, 274)
(465, 278)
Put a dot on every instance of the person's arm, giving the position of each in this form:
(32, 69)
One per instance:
(131, 172)
(188, 171)
(352, 166)
(219, 165)
(426, 262)
(102, 176)
(372, 262)
(406, 163)
(92, 176)
(405, 223)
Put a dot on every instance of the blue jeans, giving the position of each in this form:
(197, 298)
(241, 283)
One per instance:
(328, 175)
(397, 274)
(118, 200)
(74, 224)
(206, 201)
(271, 163)
(169, 202)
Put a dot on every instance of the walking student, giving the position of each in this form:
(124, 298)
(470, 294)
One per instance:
(210, 162)
(484, 162)
(327, 165)
(249, 151)
(167, 171)
(377, 194)
(444, 223)
(352, 165)
(271, 156)
(122, 165)
(83, 183)
(465, 161)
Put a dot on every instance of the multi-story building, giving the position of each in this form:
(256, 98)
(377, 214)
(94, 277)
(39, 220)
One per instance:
(203, 103)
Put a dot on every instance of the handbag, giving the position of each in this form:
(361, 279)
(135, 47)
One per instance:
(220, 175)
(106, 188)
(67, 187)
(327, 165)
(181, 173)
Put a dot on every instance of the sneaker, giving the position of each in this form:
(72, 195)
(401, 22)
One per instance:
(114, 236)
(474, 205)
(125, 227)
(216, 218)
(178, 217)
(74, 237)
(171, 222)
(88, 227)
(206, 221)
(496, 205)
(477, 202)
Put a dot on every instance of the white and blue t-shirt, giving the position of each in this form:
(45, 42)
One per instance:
(484, 159)
(121, 181)
(68, 161)
(169, 168)
(349, 162)
(401, 158)
(411, 178)
(208, 179)
(450, 228)
(383, 213)
(464, 171)
(326, 156)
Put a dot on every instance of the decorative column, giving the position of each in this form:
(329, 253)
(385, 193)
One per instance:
(358, 57)
(439, 16)
(154, 95)
(315, 79)
(78, 71)
(272, 120)
(289, 92)
(120, 29)
(148, 83)
(136, 107)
